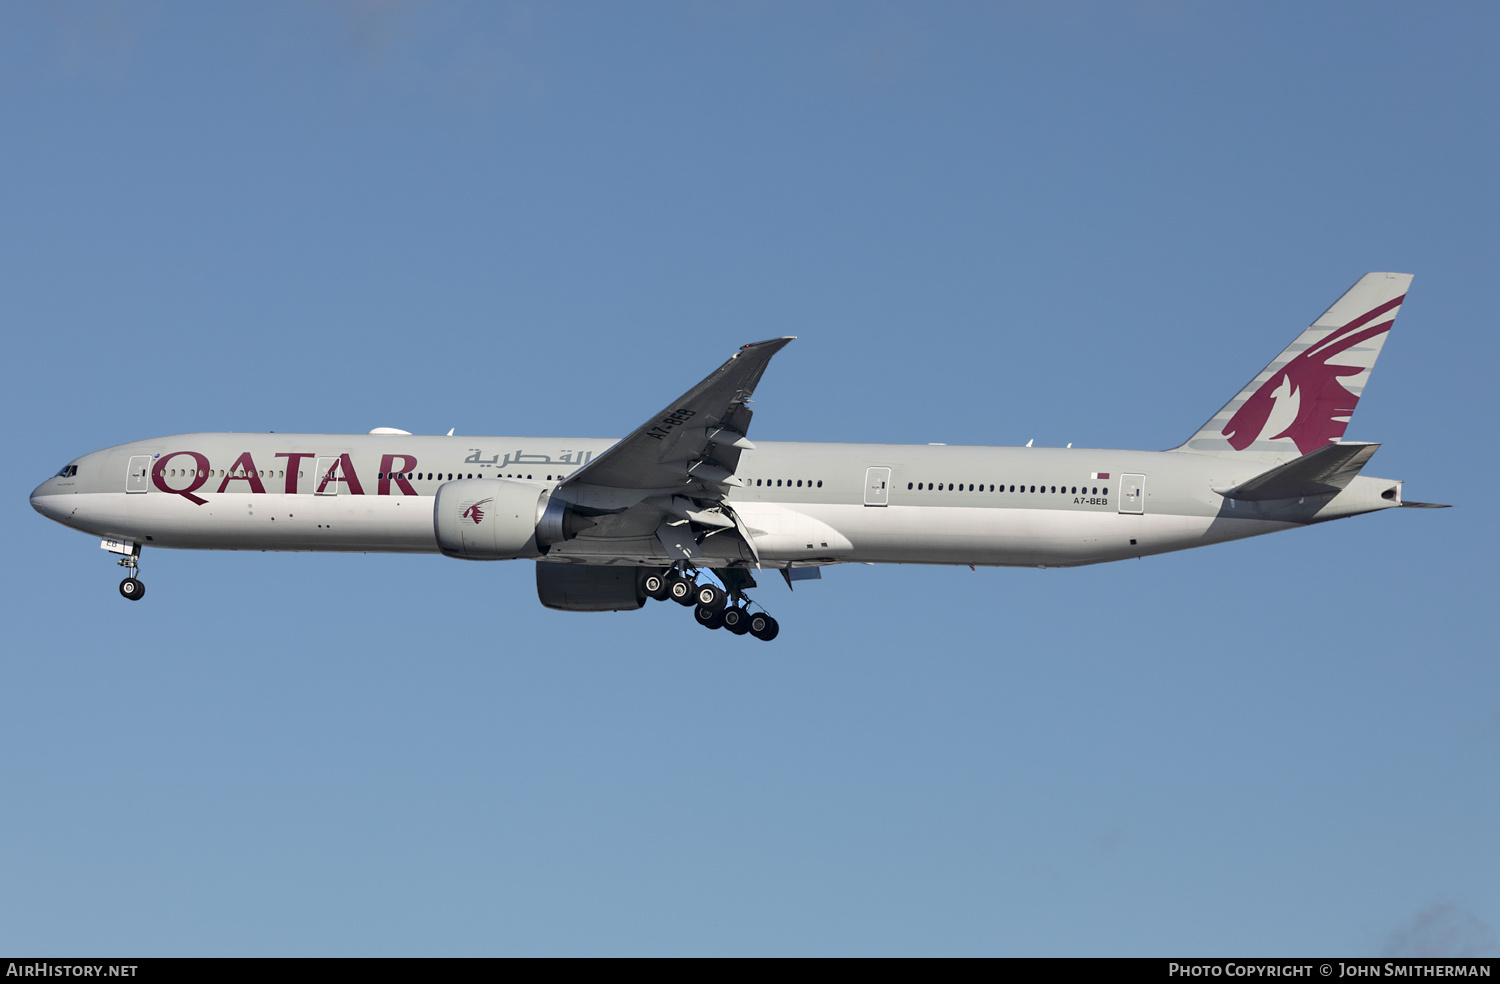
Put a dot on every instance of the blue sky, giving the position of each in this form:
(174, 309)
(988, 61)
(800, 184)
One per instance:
(987, 224)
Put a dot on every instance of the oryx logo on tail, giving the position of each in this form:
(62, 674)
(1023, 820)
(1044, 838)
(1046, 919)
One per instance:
(1302, 401)
(1307, 390)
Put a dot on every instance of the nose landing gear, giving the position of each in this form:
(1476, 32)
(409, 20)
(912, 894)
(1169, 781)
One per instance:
(131, 587)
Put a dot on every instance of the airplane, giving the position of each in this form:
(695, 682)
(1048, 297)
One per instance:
(688, 508)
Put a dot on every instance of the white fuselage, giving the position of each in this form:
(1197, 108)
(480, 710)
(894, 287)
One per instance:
(804, 504)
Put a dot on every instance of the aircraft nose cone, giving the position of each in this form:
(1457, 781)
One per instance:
(47, 503)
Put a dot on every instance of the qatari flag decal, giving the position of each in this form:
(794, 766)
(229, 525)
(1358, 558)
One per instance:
(1099, 476)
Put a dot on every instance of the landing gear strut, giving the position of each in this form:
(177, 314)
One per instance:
(131, 587)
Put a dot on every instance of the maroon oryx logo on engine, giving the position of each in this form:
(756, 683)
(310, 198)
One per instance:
(475, 513)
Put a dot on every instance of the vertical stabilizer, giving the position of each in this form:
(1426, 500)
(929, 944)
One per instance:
(1304, 398)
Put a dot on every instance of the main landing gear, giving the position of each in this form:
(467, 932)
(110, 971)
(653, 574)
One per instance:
(713, 606)
(131, 587)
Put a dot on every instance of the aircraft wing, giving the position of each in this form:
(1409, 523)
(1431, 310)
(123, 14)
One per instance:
(690, 449)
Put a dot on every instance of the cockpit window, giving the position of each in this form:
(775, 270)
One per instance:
(68, 472)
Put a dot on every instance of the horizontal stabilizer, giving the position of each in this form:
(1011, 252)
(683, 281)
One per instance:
(1426, 505)
(1328, 469)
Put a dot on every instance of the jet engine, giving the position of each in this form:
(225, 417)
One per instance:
(497, 519)
(577, 588)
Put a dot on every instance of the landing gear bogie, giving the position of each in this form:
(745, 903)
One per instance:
(711, 596)
(681, 589)
(657, 584)
(708, 617)
(736, 620)
(714, 607)
(763, 627)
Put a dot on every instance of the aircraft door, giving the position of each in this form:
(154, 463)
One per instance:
(1132, 493)
(327, 477)
(877, 486)
(136, 476)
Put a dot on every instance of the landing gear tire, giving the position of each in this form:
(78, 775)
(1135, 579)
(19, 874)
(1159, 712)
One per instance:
(708, 618)
(681, 590)
(656, 585)
(736, 620)
(763, 627)
(711, 596)
(132, 589)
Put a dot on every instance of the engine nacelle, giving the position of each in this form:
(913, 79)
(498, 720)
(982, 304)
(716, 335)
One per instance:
(579, 588)
(497, 519)
(487, 519)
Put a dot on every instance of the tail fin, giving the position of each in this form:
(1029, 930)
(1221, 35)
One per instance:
(1303, 399)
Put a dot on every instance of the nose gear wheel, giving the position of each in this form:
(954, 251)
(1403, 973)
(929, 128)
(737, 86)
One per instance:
(131, 587)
